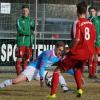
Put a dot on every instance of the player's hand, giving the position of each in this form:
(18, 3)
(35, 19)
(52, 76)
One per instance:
(41, 81)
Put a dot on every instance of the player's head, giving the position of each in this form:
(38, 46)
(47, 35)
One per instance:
(81, 9)
(92, 11)
(25, 10)
(59, 48)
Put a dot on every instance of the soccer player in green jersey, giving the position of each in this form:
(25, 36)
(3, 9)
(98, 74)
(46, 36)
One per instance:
(94, 60)
(25, 27)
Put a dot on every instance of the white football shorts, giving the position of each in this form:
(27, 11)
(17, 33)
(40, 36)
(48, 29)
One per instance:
(29, 72)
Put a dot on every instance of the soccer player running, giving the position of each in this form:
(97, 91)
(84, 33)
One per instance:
(46, 57)
(94, 59)
(25, 27)
(80, 50)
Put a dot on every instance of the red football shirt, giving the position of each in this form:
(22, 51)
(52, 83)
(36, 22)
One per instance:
(85, 32)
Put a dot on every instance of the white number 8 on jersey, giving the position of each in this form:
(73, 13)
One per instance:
(87, 33)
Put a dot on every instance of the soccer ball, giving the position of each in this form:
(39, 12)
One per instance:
(48, 80)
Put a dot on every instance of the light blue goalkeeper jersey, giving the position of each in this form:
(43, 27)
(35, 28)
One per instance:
(44, 60)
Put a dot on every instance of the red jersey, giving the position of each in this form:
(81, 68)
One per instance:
(86, 34)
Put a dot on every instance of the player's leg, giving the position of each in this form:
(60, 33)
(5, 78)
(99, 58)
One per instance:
(26, 75)
(26, 57)
(93, 66)
(55, 82)
(65, 64)
(18, 65)
(36, 75)
(95, 63)
(25, 63)
(19, 79)
(18, 61)
(90, 67)
(19, 55)
(6, 83)
(63, 83)
(78, 77)
(97, 52)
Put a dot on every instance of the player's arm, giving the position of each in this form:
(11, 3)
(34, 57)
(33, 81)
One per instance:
(42, 65)
(74, 43)
(32, 27)
(75, 40)
(32, 24)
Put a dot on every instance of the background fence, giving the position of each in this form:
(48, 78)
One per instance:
(54, 18)
(54, 23)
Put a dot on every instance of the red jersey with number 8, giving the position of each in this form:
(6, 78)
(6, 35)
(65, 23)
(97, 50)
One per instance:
(86, 34)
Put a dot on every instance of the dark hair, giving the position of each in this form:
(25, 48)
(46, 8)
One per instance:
(91, 8)
(81, 8)
(60, 43)
(25, 6)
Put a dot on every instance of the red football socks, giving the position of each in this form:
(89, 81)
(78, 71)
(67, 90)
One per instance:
(25, 63)
(18, 66)
(55, 81)
(78, 78)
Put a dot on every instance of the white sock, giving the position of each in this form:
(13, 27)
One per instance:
(6, 83)
(62, 80)
(63, 83)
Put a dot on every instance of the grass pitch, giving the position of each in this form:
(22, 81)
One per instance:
(33, 91)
